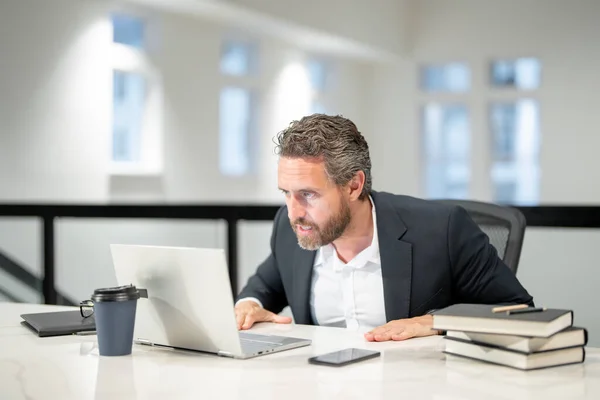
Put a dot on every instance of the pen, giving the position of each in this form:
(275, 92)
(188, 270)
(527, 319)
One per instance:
(509, 308)
(527, 310)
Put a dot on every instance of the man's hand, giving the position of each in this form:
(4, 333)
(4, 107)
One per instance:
(402, 329)
(248, 312)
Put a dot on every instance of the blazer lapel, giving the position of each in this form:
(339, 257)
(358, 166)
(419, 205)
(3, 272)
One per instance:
(303, 267)
(396, 260)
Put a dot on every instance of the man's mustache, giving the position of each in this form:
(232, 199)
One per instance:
(303, 222)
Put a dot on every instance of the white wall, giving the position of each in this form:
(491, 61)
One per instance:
(374, 22)
(563, 34)
(56, 96)
(53, 83)
(285, 94)
(392, 130)
(55, 110)
(559, 267)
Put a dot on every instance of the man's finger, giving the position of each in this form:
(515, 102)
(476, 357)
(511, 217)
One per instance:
(380, 330)
(268, 316)
(280, 319)
(383, 337)
(248, 321)
(377, 330)
(402, 335)
(240, 319)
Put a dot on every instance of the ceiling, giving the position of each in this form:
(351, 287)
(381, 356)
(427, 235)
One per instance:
(347, 28)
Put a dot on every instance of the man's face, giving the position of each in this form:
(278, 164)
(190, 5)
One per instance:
(319, 211)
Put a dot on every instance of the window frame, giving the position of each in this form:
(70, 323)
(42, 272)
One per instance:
(129, 59)
(512, 95)
(250, 82)
(443, 98)
(321, 96)
(427, 162)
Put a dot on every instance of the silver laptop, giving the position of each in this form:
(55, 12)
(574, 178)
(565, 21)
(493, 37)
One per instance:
(190, 304)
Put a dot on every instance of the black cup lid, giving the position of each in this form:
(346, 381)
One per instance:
(118, 293)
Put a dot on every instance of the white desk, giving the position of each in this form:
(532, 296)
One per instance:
(69, 367)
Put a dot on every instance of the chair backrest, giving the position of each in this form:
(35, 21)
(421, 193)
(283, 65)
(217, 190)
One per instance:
(505, 227)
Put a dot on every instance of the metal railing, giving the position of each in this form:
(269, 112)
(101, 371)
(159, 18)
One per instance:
(539, 216)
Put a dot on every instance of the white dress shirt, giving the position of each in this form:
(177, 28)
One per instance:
(349, 294)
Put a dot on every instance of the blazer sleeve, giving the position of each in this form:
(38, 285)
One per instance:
(266, 284)
(480, 276)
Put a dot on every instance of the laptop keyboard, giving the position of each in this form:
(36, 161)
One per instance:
(254, 343)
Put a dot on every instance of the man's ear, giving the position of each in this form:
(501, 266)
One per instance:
(356, 185)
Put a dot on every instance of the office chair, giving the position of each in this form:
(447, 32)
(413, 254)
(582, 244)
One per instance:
(505, 227)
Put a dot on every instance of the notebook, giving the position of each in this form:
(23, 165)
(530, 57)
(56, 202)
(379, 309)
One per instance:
(514, 359)
(480, 318)
(569, 337)
(58, 323)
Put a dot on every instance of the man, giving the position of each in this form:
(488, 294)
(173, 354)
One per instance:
(345, 255)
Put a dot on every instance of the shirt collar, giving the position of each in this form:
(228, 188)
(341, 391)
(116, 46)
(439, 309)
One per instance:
(371, 253)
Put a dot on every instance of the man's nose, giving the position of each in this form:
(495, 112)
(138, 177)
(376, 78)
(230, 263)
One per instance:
(295, 209)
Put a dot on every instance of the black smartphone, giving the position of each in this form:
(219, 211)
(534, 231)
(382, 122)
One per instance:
(344, 357)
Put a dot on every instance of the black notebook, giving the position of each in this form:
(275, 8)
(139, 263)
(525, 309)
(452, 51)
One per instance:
(481, 318)
(570, 337)
(515, 359)
(58, 323)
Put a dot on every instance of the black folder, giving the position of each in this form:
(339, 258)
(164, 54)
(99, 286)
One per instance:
(58, 323)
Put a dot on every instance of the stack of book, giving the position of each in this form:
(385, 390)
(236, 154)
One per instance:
(517, 336)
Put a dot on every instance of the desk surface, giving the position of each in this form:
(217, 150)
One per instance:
(69, 367)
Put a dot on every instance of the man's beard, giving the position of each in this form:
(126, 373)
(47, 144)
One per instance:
(333, 229)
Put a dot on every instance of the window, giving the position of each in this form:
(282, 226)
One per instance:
(453, 77)
(128, 30)
(135, 105)
(318, 76)
(447, 150)
(522, 73)
(445, 131)
(513, 120)
(128, 114)
(236, 126)
(515, 132)
(515, 151)
(237, 58)
(237, 109)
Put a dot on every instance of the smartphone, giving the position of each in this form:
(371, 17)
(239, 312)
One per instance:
(344, 357)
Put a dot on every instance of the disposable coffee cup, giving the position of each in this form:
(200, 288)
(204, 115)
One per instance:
(114, 310)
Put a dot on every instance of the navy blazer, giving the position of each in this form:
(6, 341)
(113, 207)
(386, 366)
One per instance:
(432, 256)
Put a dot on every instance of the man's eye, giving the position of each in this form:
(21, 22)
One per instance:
(308, 195)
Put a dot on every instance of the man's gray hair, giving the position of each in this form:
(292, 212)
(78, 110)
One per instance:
(336, 140)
